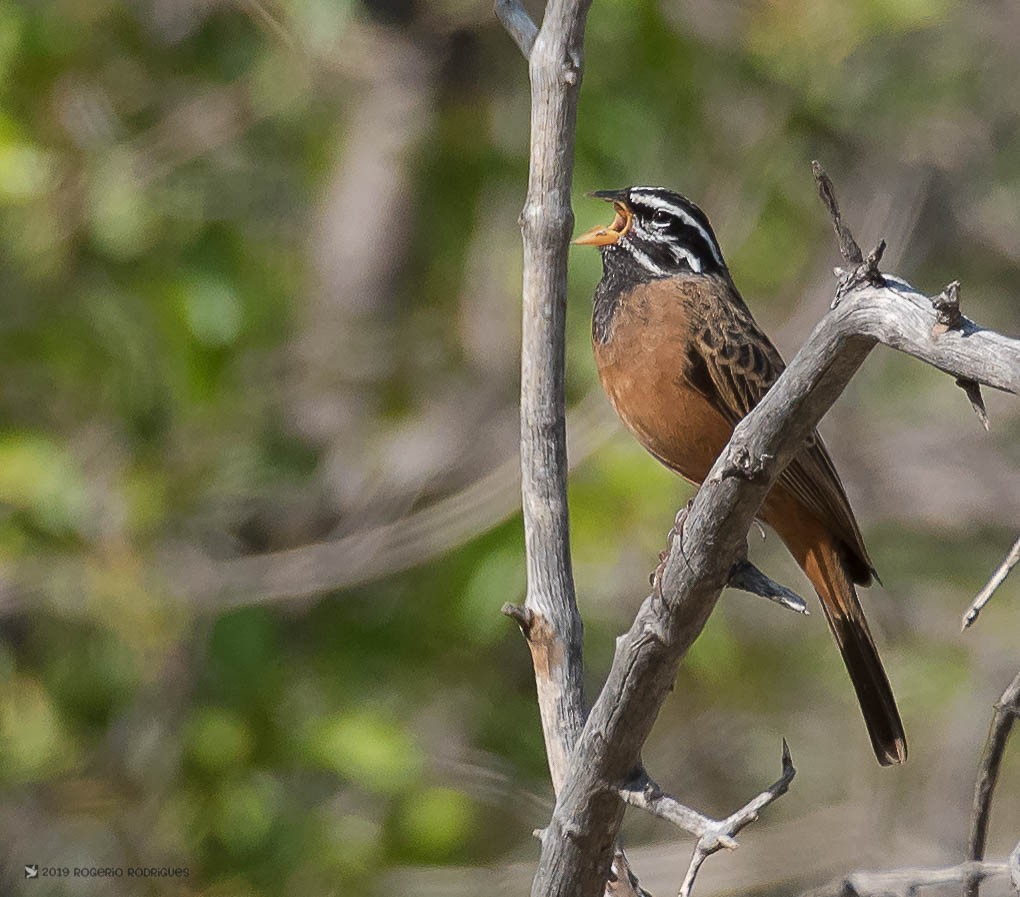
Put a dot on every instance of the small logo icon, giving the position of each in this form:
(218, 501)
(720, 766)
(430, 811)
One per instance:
(32, 871)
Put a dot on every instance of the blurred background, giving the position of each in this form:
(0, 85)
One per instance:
(258, 462)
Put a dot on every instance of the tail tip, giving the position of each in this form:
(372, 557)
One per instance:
(892, 753)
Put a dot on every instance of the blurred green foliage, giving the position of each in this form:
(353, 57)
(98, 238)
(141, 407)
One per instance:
(205, 359)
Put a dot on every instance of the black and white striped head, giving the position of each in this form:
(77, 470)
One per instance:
(662, 232)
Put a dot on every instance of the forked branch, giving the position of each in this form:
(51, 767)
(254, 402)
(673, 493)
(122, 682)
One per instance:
(518, 24)
(713, 834)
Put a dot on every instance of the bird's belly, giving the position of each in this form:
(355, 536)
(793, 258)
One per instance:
(671, 419)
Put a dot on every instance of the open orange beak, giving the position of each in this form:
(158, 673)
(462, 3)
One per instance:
(608, 234)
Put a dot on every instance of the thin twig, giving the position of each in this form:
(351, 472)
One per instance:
(723, 833)
(863, 270)
(1007, 708)
(644, 794)
(864, 274)
(972, 389)
(748, 578)
(997, 579)
(518, 24)
(948, 317)
(848, 247)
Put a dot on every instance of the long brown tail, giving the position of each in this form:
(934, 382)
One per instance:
(823, 566)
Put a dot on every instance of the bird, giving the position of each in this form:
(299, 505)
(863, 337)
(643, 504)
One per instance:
(682, 361)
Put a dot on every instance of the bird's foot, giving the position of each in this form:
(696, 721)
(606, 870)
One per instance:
(677, 530)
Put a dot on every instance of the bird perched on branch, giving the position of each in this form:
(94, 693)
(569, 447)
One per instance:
(683, 361)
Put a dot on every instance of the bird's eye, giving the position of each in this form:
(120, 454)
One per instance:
(662, 219)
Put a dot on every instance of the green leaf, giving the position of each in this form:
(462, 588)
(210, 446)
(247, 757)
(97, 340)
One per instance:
(212, 311)
(436, 822)
(367, 748)
(41, 478)
(120, 216)
(244, 812)
(33, 741)
(217, 739)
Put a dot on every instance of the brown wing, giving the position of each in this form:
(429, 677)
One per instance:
(733, 364)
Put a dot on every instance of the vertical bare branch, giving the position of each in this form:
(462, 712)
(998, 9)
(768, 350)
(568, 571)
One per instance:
(554, 632)
(550, 619)
(1007, 708)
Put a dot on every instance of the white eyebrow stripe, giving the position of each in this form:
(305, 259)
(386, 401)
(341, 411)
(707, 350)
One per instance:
(653, 201)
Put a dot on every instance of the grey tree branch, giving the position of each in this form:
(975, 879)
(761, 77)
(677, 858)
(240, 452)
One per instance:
(996, 580)
(1007, 708)
(578, 844)
(554, 629)
(713, 834)
(549, 619)
(906, 882)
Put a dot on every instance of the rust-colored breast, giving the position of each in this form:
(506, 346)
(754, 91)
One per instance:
(643, 366)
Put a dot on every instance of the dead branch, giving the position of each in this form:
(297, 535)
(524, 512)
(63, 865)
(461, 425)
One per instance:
(546, 224)
(996, 580)
(550, 620)
(748, 578)
(865, 271)
(713, 834)
(579, 844)
(1007, 708)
